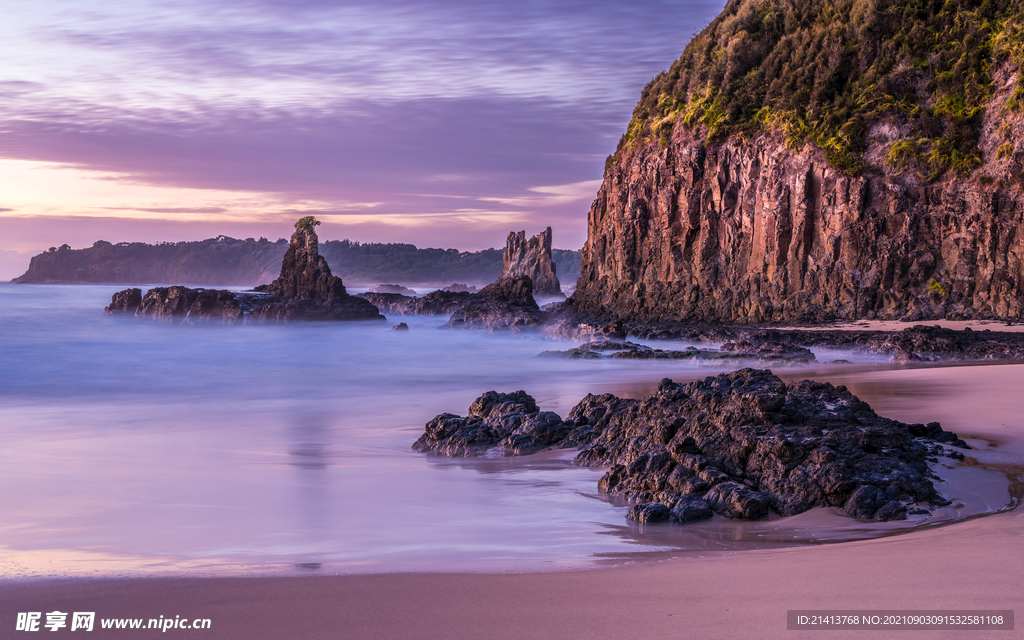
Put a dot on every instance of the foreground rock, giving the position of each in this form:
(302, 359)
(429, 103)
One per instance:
(305, 290)
(532, 258)
(742, 445)
(505, 304)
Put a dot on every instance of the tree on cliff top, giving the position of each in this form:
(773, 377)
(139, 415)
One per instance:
(824, 70)
(309, 223)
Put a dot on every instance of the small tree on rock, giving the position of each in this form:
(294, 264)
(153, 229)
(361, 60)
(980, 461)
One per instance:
(309, 223)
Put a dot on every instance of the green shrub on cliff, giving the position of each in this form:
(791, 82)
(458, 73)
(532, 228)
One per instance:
(824, 70)
(309, 223)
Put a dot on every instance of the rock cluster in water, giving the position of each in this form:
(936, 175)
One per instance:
(505, 304)
(435, 303)
(305, 290)
(741, 444)
(532, 257)
(768, 353)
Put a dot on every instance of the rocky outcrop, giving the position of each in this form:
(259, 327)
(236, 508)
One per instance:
(917, 343)
(435, 303)
(391, 288)
(456, 287)
(305, 290)
(740, 444)
(125, 302)
(505, 304)
(750, 231)
(532, 258)
(767, 353)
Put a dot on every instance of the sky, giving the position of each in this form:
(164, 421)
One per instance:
(437, 123)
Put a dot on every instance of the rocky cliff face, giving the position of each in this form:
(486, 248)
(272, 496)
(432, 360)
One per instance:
(818, 160)
(532, 258)
(751, 231)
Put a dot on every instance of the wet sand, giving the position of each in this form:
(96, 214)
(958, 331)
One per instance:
(976, 564)
(972, 565)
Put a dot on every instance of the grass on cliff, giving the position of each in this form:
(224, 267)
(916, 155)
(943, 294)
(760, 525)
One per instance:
(824, 70)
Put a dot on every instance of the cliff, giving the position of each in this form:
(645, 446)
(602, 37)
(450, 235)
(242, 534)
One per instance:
(531, 258)
(819, 161)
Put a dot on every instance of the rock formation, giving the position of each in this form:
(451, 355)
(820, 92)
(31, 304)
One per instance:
(532, 258)
(740, 194)
(391, 288)
(305, 290)
(435, 303)
(741, 444)
(505, 304)
(765, 353)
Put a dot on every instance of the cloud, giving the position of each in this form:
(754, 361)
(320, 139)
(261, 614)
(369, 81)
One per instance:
(391, 110)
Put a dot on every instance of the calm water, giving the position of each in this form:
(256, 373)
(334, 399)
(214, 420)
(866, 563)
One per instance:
(132, 446)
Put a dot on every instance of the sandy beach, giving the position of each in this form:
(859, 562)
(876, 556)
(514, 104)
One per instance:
(971, 565)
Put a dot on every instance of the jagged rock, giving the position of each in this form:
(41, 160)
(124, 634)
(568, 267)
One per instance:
(510, 424)
(401, 326)
(507, 303)
(455, 287)
(391, 288)
(125, 302)
(741, 444)
(305, 290)
(532, 258)
(435, 303)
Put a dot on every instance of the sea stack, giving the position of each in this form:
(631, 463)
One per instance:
(532, 258)
(305, 290)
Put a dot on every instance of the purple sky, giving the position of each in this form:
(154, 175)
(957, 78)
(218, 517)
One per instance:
(436, 123)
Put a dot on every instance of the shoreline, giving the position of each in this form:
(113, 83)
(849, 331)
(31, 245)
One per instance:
(722, 595)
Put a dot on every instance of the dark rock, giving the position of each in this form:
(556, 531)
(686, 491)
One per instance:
(690, 508)
(735, 500)
(864, 501)
(532, 258)
(125, 302)
(745, 442)
(401, 326)
(646, 513)
(191, 305)
(507, 303)
(506, 423)
(765, 354)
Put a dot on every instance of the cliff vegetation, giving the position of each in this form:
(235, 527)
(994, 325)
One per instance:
(823, 71)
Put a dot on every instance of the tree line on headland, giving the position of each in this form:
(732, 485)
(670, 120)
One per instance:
(229, 261)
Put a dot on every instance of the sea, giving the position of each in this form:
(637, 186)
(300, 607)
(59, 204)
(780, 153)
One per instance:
(136, 447)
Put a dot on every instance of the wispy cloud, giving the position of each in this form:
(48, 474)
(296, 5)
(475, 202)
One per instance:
(391, 108)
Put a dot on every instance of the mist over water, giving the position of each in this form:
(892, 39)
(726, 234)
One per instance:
(134, 446)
